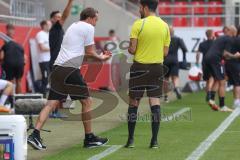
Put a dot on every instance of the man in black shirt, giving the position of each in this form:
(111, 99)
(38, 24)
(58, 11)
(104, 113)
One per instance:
(203, 48)
(219, 50)
(233, 70)
(14, 67)
(56, 34)
(171, 63)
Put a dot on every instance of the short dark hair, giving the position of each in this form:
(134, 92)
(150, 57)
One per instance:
(88, 13)
(43, 23)
(111, 31)
(209, 33)
(10, 26)
(54, 13)
(151, 4)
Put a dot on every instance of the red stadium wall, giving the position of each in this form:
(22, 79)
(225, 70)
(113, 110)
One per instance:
(22, 36)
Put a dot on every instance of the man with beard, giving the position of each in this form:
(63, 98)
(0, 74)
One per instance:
(149, 43)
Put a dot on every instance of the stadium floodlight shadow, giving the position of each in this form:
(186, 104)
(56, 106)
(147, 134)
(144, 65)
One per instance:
(29, 105)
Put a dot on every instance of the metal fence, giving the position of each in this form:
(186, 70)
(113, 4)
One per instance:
(25, 12)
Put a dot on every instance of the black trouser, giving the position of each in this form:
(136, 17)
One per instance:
(44, 66)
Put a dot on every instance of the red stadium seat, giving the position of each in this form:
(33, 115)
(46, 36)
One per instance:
(198, 8)
(214, 21)
(214, 7)
(164, 8)
(199, 21)
(180, 22)
(181, 8)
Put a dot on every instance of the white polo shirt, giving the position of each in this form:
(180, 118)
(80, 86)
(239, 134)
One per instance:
(77, 36)
(42, 37)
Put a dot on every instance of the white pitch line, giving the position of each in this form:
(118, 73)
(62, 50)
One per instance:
(105, 153)
(206, 144)
(176, 114)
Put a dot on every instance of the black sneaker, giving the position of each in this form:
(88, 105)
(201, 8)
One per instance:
(36, 142)
(154, 145)
(130, 143)
(94, 141)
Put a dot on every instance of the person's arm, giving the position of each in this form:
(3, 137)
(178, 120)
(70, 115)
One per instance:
(40, 42)
(43, 48)
(133, 46)
(90, 51)
(198, 57)
(183, 48)
(136, 29)
(1, 56)
(166, 50)
(66, 12)
(167, 42)
(229, 55)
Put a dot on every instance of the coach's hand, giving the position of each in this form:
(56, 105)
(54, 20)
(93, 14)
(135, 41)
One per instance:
(105, 55)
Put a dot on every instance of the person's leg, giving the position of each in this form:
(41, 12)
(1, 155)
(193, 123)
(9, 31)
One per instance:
(175, 80)
(166, 88)
(35, 139)
(44, 66)
(156, 118)
(236, 95)
(221, 93)
(43, 116)
(18, 86)
(7, 91)
(132, 116)
(86, 116)
(209, 86)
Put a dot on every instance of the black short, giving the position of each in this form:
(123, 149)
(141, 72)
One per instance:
(66, 81)
(233, 73)
(147, 77)
(206, 72)
(171, 69)
(214, 69)
(13, 72)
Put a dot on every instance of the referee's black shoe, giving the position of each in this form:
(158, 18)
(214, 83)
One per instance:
(94, 141)
(130, 143)
(154, 144)
(36, 142)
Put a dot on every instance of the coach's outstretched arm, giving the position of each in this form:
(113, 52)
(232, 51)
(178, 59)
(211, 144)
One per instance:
(66, 12)
(90, 51)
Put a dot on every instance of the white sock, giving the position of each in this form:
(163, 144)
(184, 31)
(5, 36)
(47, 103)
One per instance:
(3, 99)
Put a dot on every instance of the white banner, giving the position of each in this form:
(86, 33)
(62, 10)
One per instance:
(192, 38)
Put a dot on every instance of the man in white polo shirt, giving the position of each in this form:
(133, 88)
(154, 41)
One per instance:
(66, 78)
(42, 39)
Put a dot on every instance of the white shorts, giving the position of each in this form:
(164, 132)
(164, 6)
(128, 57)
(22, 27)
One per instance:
(3, 84)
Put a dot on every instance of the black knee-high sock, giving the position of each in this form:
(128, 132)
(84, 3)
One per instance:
(132, 118)
(156, 118)
(221, 101)
(209, 95)
(213, 93)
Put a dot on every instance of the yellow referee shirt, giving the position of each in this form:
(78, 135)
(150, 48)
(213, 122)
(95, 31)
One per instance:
(152, 36)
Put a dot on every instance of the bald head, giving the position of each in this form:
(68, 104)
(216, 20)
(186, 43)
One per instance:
(232, 31)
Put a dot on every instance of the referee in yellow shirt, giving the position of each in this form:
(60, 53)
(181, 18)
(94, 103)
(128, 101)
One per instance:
(149, 43)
